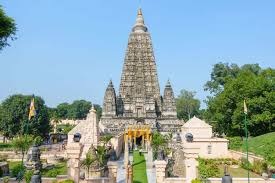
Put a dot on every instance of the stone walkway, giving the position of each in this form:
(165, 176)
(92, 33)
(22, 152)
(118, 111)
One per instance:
(151, 171)
(121, 171)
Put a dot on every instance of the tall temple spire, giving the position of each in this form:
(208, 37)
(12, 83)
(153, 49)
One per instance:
(139, 25)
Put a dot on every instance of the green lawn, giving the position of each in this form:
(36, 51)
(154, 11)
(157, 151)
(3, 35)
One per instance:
(262, 145)
(139, 168)
(59, 169)
(237, 172)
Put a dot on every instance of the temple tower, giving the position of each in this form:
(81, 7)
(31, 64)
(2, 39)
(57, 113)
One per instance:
(109, 106)
(139, 99)
(139, 87)
(169, 105)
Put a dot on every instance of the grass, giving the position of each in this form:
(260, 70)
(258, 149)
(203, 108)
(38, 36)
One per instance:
(59, 169)
(262, 145)
(139, 168)
(237, 172)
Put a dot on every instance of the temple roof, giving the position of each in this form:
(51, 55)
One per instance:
(196, 123)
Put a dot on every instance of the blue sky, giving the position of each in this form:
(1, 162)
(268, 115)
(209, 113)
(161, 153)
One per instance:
(69, 50)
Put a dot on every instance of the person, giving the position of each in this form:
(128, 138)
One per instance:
(140, 152)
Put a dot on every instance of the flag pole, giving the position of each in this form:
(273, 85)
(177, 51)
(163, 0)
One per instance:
(246, 140)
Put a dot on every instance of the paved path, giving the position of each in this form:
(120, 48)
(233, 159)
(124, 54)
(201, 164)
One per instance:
(121, 171)
(151, 171)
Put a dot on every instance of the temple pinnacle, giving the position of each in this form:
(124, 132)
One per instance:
(139, 25)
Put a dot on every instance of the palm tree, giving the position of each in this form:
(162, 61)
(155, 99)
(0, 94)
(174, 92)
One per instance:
(88, 162)
(101, 153)
(105, 139)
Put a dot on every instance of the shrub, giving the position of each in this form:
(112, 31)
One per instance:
(28, 176)
(235, 143)
(246, 164)
(3, 157)
(1, 172)
(52, 173)
(208, 168)
(6, 179)
(16, 169)
(67, 181)
(196, 180)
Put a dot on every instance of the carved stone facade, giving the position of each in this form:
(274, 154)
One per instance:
(139, 99)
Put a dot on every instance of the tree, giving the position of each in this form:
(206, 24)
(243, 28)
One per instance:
(79, 109)
(256, 86)
(88, 162)
(187, 105)
(14, 116)
(223, 72)
(7, 29)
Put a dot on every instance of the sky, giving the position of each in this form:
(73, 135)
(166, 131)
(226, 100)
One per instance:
(68, 50)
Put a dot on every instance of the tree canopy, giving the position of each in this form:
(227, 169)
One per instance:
(77, 110)
(250, 83)
(187, 105)
(14, 116)
(7, 29)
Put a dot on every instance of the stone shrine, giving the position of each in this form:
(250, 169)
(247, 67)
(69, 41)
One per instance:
(139, 100)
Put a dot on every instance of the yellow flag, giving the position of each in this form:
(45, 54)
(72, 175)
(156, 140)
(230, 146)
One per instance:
(244, 107)
(32, 111)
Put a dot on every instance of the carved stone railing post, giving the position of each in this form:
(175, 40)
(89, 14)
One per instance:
(129, 173)
(74, 151)
(191, 153)
(112, 166)
(160, 166)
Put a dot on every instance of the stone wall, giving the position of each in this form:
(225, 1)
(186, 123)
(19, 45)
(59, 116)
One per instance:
(118, 142)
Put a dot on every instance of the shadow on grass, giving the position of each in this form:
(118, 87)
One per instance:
(137, 163)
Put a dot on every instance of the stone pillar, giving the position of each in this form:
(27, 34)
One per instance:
(160, 166)
(74, 151)
(126, 152)
(112, 166)
(149, 158)
(191, 153)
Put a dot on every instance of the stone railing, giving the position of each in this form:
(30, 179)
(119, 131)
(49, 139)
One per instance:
(44, 179)
(238, 155)
(97, 180)
(219, 180)
(242, 180)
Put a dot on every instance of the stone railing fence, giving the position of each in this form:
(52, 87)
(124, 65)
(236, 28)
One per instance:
(238, 155)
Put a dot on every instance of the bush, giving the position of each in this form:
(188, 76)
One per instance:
(16, 169)
(28, 176)
(67, 181)
(3, 157)
(208, 168)
(235, 143)
(246, 164)
(6, 179)
(196, 180)
(52, 173)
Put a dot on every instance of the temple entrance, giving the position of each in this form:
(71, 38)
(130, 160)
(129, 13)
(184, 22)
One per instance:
(139, 141)
(137, 135)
